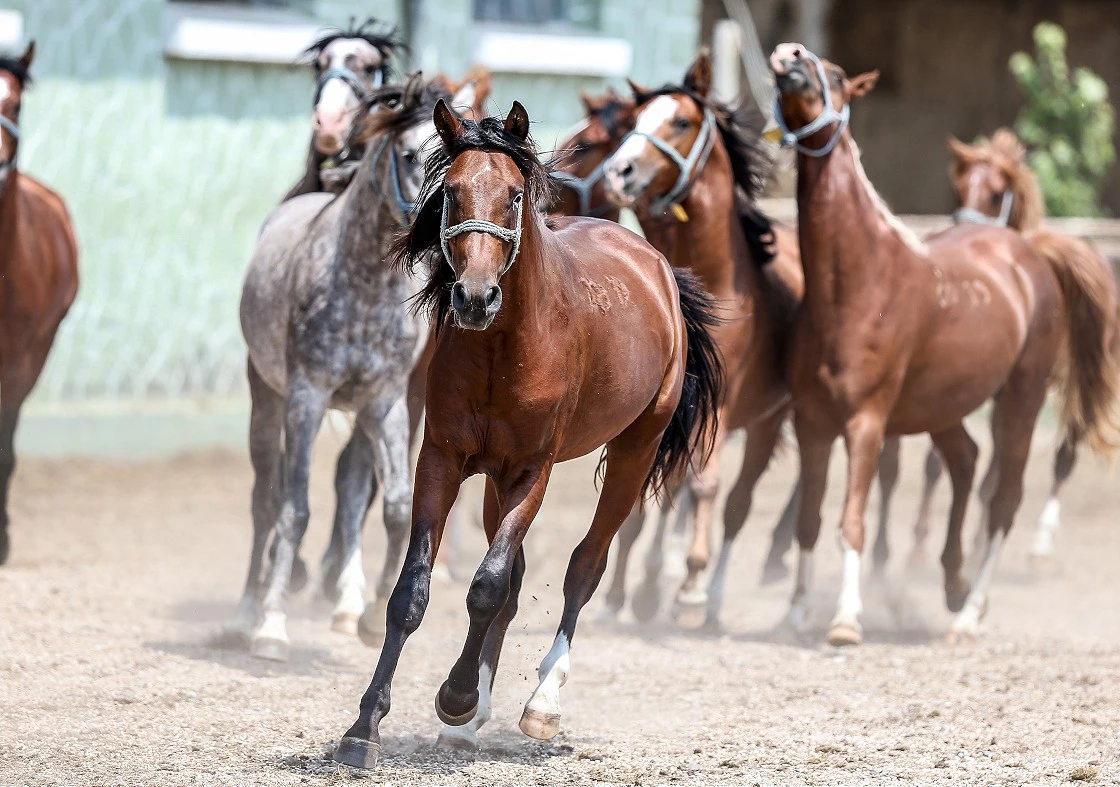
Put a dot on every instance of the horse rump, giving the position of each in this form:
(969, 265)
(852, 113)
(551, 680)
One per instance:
(690, 436)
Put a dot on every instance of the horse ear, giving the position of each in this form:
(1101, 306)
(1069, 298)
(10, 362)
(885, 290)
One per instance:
(636, 88)
(862, 84)
(961, 151)
(517, 121)
(449, 126)
(28, 55)
(413, 90)
(465, 97)
(588, 101)
(698, 79)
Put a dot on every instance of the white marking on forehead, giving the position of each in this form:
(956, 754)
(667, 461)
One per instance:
(5, 89)
(338, 50)
(660, 110)
(486, 168)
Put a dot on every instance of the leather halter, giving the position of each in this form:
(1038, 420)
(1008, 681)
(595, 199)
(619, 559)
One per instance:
(792, 139)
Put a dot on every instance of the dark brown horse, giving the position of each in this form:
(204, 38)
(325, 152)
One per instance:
(896, 336)
(38, 273)
(556, 337)
(683, 168)
(583, 151)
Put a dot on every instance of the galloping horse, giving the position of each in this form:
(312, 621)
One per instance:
(322, 315)
(348, 64)
(682, 167)
(556, 336)
(896, 336)
(994, 185)
(38, 273)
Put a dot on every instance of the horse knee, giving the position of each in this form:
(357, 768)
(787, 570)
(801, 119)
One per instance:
(488, 593)
(409, 601)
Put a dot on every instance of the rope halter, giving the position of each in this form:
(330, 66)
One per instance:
(12, 128)
(406, 207)
(792, 139)
(505, 234)
(689, 166)
(973, 216)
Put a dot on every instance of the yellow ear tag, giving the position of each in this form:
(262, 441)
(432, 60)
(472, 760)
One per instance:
(678, 211)
(773, 135)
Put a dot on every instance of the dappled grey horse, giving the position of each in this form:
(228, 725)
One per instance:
(327, 326)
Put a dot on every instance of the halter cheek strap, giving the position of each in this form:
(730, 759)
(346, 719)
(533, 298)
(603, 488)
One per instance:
(405, 207)
(581, 186)
(12, 128)
(791, 139)
(511, 236)
(690, 166)
(974, 216)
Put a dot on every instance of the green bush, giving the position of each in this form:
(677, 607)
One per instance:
(1067, 123)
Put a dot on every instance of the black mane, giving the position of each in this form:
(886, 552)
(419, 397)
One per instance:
(16, 69)
(384, 38)
(418, 250)
(401, 116)
(740, 129)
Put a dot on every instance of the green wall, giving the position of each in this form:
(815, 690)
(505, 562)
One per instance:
(169, 167)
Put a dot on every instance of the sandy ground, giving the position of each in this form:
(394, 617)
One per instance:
(122, 572)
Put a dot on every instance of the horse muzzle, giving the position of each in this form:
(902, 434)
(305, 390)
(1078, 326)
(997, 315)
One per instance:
(475, 306)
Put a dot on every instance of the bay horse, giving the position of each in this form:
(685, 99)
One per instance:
(692, 168)
(899, 336)
(38, 273)
(323, 318)
(582, 152)
(555, 337)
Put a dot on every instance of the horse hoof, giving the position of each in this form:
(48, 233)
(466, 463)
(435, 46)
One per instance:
(773, 573)
(690, 612)
(844, 634)
(538, 725)
(452, 742)
(357, 753)
(1039, 564)
(956, 594)
(962, 637)
(452, 719)
(371, 628)
(298, 579)
(344, 623)
(646, 603)
(269, 649)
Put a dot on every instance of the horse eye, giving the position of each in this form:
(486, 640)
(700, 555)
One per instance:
(371, 70)
(409, 156)
(682, 124)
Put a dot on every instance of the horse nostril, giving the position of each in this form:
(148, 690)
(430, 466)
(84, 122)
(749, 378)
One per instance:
(492, 295)
(627, 170)
(797, 54)
(458, 296)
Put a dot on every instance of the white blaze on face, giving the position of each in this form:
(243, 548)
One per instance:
(337, 100)
(653, 117)
(5, 89)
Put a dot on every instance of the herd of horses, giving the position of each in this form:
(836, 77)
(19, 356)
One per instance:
(431, 275)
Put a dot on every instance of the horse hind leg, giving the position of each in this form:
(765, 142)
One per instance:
(932, 474)
(266, 423)
(691, 603)
(781, 539)
(9, 419)
(1050, 520)
(358, 450)
(646, 601)
(355, 486)
(888, 482)
(627, 535)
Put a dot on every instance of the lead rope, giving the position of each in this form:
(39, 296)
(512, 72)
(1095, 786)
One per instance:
(791, 139)
(511, 236)
(974, 216)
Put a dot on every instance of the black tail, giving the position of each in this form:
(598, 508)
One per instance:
(693, 428)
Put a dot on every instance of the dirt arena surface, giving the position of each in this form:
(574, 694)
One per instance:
(122, 573)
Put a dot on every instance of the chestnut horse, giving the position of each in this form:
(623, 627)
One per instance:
(896, 336)
(584, 149)
(682, 168)
(556, 336)
(38, 273)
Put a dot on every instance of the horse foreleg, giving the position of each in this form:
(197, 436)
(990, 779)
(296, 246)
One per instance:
(388, 436)
(439, 475)
(888, 481)
(814, 449)
(629, 459)
(863, 436)
(519, 495)
(959, 452)
(356, 458)
(781, 539)
(305, 406)
(760, 444)
(266, 425)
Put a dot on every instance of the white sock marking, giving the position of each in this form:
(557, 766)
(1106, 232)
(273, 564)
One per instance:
(850, 605)
(1049, 521)
(968, 619)
(553, 673)
(273, 626)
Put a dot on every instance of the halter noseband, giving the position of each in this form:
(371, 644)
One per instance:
(828, 115)
(350, 78)
(511, 236)
(974, 216)
(690, 166)
(12, 128)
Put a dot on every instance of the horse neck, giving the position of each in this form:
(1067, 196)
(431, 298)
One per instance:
(367, 222)
(850, 242)
(527, 285)
(9, 213)
(711, 243)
